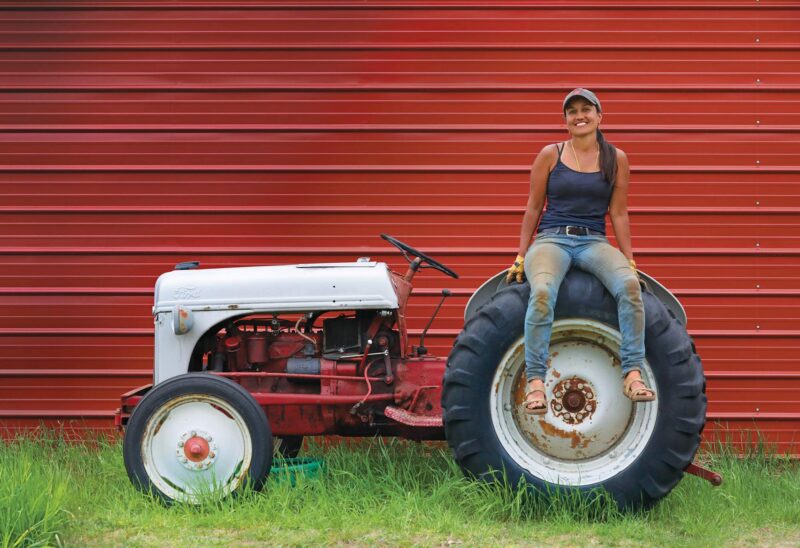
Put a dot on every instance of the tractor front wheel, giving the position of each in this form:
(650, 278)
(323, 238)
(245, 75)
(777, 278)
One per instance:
(592, 436)
(195, 436)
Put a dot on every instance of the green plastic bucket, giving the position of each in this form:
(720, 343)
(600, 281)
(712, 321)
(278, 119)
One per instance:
(291, 469)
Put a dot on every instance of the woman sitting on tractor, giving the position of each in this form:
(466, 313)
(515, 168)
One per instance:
(581, 180)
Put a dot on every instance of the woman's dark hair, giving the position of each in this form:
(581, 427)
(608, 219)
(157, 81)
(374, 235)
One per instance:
(608, 158)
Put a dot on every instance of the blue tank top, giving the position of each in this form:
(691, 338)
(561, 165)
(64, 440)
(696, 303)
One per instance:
(575, 198)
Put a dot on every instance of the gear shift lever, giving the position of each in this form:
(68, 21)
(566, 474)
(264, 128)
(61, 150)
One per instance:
(421, 350)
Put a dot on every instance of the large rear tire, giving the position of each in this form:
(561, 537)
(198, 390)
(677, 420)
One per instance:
(592, 436)
(197, 435)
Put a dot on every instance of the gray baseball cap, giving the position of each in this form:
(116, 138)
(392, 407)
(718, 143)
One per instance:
(586, 94)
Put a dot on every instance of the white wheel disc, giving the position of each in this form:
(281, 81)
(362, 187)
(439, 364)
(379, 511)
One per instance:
(591, 431)
(195, 445)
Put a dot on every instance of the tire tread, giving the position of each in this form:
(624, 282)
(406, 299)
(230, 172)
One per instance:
(499, 322)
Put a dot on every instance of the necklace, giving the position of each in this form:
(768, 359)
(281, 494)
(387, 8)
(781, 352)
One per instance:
(575, 154)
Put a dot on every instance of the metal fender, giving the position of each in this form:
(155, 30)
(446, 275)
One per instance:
(497, 282)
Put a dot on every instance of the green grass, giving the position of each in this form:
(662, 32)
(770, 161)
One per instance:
(379, 493)
(33, 496)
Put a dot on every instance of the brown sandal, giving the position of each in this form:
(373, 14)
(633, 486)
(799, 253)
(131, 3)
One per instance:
(535, 406)
(643, 393)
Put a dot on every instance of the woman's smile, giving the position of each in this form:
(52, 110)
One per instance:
(582, 116)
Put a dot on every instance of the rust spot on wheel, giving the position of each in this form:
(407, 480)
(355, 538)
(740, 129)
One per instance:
(576, 439)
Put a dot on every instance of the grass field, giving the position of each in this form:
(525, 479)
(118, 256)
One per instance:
(378, 493)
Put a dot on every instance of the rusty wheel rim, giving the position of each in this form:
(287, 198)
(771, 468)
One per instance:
(196, 446)
(591, 430)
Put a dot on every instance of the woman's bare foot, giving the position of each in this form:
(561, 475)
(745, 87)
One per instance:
(635, 389)
(535, 398)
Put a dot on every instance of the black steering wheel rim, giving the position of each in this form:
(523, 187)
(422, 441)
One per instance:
(405, 248)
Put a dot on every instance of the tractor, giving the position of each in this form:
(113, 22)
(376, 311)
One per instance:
(250, 360)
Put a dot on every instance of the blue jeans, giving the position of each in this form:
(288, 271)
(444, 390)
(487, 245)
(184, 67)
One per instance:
(547, 262)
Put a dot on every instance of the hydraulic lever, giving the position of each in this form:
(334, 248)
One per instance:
(421, 350)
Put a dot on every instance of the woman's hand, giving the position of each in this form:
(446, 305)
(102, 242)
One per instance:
(517, 270)
(642, 283)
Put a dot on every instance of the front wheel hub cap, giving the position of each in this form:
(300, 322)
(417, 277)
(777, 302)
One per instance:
(196, 450)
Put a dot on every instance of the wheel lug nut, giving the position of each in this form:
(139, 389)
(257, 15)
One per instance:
(580, 386)
(212, 454)
(180, 444)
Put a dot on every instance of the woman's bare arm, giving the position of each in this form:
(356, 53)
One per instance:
(618, 209)
(540, 171)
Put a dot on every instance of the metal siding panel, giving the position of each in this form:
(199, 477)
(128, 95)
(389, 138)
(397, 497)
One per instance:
(530, 110)
(244, 151)
(428, 27)
(137, 135)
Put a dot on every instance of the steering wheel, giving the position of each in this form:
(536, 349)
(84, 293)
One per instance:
(406, 249)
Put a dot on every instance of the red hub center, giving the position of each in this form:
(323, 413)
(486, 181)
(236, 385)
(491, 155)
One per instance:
(196, 449)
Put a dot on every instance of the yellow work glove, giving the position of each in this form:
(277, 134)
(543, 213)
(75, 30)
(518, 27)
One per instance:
(517, 270)
(642, 283)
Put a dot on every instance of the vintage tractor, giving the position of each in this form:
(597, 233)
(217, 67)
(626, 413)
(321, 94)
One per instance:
(247, 357)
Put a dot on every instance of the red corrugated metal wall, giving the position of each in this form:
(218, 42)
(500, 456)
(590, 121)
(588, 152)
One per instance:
(139, 134)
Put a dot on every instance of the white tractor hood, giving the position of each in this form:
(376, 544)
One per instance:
(305, 288)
